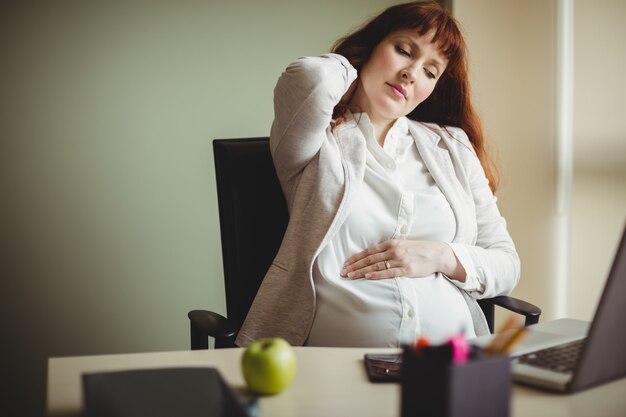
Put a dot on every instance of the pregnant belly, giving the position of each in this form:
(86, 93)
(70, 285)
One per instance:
(388, 313)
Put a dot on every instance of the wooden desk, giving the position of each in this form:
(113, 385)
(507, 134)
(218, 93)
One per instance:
(329, 382)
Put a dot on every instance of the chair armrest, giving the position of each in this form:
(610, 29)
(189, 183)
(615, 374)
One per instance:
(528, 310)
(205, 324)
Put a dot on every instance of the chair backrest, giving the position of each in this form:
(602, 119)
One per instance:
(253, 218)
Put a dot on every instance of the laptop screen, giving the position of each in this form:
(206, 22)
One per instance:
(604, 356)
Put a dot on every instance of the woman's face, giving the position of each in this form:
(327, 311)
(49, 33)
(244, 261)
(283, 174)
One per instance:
(400, 74)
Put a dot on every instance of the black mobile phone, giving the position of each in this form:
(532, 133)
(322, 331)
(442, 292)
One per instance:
(383, 367)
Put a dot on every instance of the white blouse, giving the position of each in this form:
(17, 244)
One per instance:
(398, 199)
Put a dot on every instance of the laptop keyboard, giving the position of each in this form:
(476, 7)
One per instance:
(560, 358)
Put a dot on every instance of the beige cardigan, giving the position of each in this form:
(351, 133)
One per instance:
(319, 167)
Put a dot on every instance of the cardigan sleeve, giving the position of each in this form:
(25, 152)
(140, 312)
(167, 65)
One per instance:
(492, 264)
(304, 99)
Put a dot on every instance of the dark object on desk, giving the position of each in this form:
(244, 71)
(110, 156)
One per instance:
(189, 392)
(383, 367)
(253, 219)
(387, 367)
(433, 386)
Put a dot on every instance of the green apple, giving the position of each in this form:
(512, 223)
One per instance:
(268, 365)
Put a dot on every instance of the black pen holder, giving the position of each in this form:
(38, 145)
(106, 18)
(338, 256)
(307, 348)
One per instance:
(433, 386)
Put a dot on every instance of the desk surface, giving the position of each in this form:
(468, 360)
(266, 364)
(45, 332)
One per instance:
(329, 382)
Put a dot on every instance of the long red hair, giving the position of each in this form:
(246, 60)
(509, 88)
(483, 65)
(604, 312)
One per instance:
(450, 103)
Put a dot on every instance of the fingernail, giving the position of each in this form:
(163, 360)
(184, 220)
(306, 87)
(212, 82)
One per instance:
(343, 272)
(351, 275)
(368, 276)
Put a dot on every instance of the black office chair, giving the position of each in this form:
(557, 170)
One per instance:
(253, 218)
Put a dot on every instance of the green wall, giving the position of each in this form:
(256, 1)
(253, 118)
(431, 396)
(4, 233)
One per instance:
(108, 215)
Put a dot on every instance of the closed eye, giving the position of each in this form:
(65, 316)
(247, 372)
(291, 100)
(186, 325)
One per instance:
(402, 52)
(429, 74)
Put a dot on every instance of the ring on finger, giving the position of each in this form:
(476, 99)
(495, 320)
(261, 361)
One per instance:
(387, 266)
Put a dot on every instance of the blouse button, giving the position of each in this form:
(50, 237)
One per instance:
(411, 313)
(404, 229)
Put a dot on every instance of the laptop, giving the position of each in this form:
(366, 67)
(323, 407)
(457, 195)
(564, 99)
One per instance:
(162, 392)
(571, 355)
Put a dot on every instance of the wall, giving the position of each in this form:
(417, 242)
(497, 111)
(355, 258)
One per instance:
(599, 193)
(512, 66)
(512, 55)
(108, 215)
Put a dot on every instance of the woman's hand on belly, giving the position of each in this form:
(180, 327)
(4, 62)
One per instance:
(404, 258)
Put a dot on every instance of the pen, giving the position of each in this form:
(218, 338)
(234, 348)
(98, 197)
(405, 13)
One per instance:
(422, 342)
(512, 341)
(460, 348)
(510, 334)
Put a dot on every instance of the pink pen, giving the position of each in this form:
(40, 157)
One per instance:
(460, 348)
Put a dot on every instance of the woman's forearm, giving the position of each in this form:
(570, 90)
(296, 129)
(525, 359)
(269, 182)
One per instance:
(450, 264)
